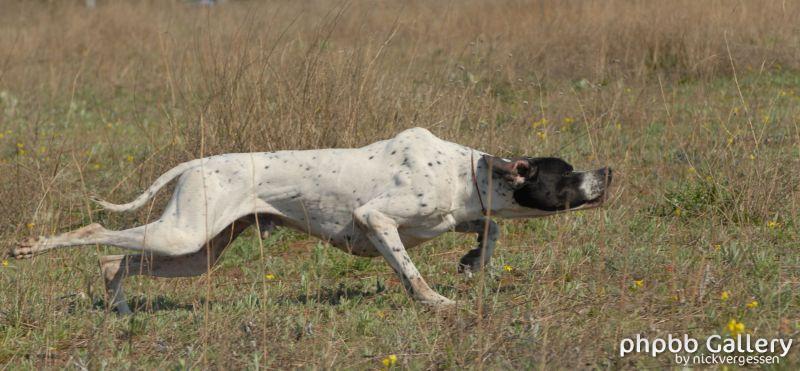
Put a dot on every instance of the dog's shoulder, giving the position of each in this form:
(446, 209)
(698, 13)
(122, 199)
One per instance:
(417, 140)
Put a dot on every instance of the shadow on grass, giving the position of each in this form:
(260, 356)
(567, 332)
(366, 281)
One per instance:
(325, 295)
(150, 305)
(330, 296)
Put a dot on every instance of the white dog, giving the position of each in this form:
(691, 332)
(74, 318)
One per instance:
(369, 201)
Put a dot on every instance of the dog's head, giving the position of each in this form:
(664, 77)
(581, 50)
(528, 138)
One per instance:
(551, 184)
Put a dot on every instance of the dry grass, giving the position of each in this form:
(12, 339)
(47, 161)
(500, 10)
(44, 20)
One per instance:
(694, 103)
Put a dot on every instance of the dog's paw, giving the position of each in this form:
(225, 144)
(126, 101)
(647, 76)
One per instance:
(469, 265)
(25, 249)
(122, 309)
(438, 303)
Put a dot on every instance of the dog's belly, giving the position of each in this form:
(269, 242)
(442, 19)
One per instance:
(346, 236)
(342, 234)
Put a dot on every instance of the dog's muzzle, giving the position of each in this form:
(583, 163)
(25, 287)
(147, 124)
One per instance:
(595, 184)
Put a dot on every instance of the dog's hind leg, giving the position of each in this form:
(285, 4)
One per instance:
(115, 268)
(158, 237)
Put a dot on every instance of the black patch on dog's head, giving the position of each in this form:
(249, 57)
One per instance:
(543, 183)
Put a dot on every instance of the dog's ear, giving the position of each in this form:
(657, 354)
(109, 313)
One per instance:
(515, 170)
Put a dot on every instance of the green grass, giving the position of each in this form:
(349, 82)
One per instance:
(570, 295)
(704, 200)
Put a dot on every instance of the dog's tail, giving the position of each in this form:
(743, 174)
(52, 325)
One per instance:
(150, 192)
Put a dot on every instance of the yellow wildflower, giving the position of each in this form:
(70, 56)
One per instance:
(772, 224)
(735, 327)
(269, 276)
(753, 304)
(717, 247)
(752, 156)
(568, 120)
(691, 170)
(678, 211)
(638, 284)
(541, 122)
(390, 360)
(2, 135)
(508, 268)
(725, 295)
(542, 135)
(129, 158)
(20, 145)
(96, 166)
(5, 262)
(30, 225)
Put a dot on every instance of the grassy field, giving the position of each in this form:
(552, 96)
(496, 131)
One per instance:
(694, 104)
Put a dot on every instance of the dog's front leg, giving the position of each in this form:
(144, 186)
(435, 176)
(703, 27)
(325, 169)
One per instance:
(480, 256)
(382, 232)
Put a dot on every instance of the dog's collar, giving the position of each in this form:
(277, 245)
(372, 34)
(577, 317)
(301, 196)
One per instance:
(475, 182)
